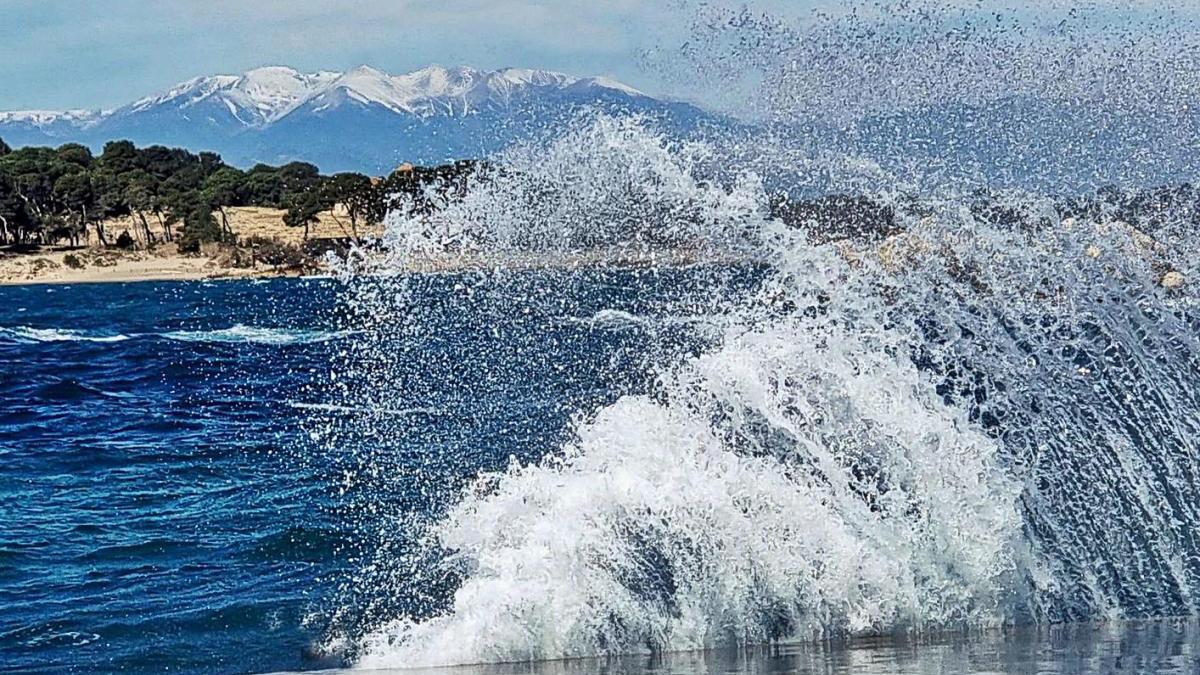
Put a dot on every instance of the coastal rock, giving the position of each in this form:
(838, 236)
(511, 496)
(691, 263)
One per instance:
(1172, 280)
(899, 250)
(833, 217)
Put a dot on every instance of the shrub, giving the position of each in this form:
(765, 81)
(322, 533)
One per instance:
(276, 253)
(199, 227)
(39, 265)
(74, 262)
(125, 241)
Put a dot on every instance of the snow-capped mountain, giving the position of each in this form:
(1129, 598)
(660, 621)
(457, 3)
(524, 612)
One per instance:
(364, 119)
(258, 97)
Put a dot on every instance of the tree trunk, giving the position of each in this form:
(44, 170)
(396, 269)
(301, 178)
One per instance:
(343, 227)
(99, 227)
(146, 228)
(163, 224)
(225, 223)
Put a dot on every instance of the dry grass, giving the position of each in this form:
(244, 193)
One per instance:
(163, 261)
(249, 221)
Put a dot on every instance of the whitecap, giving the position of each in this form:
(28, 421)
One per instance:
(241, 333)
(333, 408)
(30, 335)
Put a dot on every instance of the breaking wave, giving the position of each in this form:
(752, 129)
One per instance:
(29, 335)
(239, 333)
(984, 413)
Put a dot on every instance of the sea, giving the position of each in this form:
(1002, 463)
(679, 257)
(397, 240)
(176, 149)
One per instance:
(178, 492)
(165, 507)
(955, 430)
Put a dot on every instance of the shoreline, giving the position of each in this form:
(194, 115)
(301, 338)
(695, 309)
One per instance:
(136, 267)
(30, 270)
(94, 263)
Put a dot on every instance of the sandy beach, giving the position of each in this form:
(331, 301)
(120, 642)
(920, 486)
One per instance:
(49, 268)
(95, 264)
(163, 262)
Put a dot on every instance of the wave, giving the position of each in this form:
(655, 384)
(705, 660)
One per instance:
(926, 432)
(30, 335)
(355, 410)
(239, 333)
(74, 390)
(987, 416)
(619, 319)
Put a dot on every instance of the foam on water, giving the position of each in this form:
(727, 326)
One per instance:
(29, 335)
(239, 333)
(799, 481)
(988, 418)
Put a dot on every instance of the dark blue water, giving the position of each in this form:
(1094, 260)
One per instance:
(217, 477)
(172, 490)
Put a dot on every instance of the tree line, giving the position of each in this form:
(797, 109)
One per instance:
(56, 195)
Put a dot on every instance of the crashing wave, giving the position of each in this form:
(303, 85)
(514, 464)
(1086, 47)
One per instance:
(984, 413)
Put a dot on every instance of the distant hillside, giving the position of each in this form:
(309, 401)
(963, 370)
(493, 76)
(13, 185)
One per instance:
(363, 120)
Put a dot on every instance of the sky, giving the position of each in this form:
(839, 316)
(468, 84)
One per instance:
(59, 54)
(93, 54)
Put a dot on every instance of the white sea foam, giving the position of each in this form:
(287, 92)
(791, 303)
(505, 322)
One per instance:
(808, 478)
(352, 410)
(239, 333)
(989, 418)
(30, 335)
(800, 481)
(619, 319)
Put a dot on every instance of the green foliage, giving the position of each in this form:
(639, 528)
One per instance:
(74, 153)
(51, 194)
(276, 254)
(74, 192)
(364, 202)
(125, 241)
(298, 177)
(119, 157)
(225, 187)
(199, 227)
(304, 208)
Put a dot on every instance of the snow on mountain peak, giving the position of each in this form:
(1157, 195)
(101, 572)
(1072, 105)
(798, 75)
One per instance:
(437, 89)
(608, 83)
(264, 95)
(255, 97)
(42, 118)
(274, 91)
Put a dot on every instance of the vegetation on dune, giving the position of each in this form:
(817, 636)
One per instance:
(60, 195)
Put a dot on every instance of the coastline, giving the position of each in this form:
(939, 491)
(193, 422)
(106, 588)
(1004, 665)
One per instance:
(165, 264)
(31, 269)
(94, 263)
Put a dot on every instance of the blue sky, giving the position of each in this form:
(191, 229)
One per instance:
(57, 54)
(85, 53)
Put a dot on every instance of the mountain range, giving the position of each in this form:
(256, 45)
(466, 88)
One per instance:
(362, 120)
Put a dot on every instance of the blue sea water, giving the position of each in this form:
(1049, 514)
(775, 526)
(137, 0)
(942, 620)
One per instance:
(151, 521)
(164, 506)
(220, 477)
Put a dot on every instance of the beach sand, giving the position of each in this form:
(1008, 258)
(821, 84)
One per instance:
(164, 262)
(50, 268)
